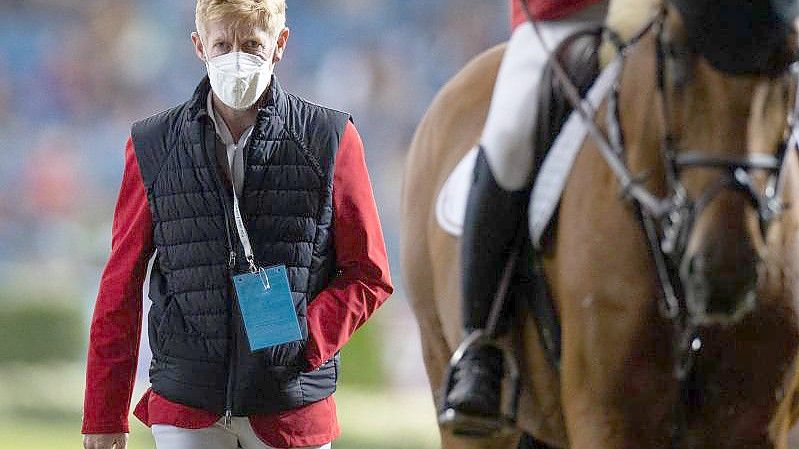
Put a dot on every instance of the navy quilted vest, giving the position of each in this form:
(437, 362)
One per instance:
(200, 354)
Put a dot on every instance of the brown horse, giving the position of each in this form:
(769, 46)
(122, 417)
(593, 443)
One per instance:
(616, 386)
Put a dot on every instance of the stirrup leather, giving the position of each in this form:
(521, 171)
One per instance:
(472, 425)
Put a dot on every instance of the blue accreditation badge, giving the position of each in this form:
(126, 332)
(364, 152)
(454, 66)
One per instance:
(266, 307)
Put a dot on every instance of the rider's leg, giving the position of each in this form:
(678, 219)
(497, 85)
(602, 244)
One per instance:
(497, 204)
(510, 123)
(493, 215)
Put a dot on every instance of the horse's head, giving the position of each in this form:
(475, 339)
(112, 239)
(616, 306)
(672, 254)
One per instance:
(727, 98)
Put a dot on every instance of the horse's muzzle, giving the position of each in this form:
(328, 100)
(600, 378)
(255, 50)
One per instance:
(719, 291)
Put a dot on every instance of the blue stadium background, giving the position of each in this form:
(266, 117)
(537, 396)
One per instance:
(74, 74)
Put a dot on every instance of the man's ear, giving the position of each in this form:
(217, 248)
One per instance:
(199, 49)
(282, 39)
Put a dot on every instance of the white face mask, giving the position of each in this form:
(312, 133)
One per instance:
(239, 78)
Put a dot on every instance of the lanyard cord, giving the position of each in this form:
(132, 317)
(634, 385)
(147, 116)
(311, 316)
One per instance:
(242, 231)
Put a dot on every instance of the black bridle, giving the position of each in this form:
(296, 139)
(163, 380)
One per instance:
(668, 221)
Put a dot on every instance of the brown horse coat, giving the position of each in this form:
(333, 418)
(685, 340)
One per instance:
(616, 388)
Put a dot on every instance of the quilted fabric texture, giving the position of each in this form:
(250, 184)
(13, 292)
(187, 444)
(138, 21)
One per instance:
(196, 331)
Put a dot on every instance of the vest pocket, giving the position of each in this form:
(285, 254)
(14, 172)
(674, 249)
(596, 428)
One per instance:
(291, 354)
(163, 321)
(286, 354)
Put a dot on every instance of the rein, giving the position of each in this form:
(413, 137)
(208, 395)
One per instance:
(668, 221)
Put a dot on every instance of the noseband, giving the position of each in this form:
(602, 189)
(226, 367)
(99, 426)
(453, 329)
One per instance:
(668, 221)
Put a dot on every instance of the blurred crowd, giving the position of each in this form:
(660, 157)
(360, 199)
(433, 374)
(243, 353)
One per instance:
(74, 74)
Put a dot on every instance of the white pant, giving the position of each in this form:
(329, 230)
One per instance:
(217, 436)
(511, 116)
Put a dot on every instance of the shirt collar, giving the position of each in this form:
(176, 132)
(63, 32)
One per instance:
(221, 127)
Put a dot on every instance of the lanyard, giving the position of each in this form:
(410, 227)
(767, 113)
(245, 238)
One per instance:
(245, 239)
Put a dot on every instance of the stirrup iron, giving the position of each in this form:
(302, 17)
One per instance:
(474, 425)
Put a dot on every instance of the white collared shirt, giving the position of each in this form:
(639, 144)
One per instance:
(235, 150)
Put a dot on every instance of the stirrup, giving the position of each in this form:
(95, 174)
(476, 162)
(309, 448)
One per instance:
(466, 424)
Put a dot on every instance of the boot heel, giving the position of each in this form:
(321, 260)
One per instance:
(472, 426)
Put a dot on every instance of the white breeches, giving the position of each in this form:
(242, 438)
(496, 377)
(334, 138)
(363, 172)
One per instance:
(217, 436)
(508, 131)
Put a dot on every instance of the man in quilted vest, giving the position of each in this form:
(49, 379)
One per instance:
(244, 178)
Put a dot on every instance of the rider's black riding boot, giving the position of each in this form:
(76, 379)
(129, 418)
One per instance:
(493, 216)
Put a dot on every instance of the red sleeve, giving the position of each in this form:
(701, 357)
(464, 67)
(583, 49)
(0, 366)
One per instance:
(517, 15)
(364, 282)
(545, 9)
(115, 330)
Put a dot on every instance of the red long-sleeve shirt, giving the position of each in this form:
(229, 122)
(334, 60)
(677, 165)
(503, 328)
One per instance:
(333, 316)
(545, 9)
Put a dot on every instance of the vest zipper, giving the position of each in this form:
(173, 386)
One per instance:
(228, 416)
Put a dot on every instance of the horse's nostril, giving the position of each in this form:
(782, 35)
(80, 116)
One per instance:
(717, 288)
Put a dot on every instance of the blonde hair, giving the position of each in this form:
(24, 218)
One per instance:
(269, 14)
